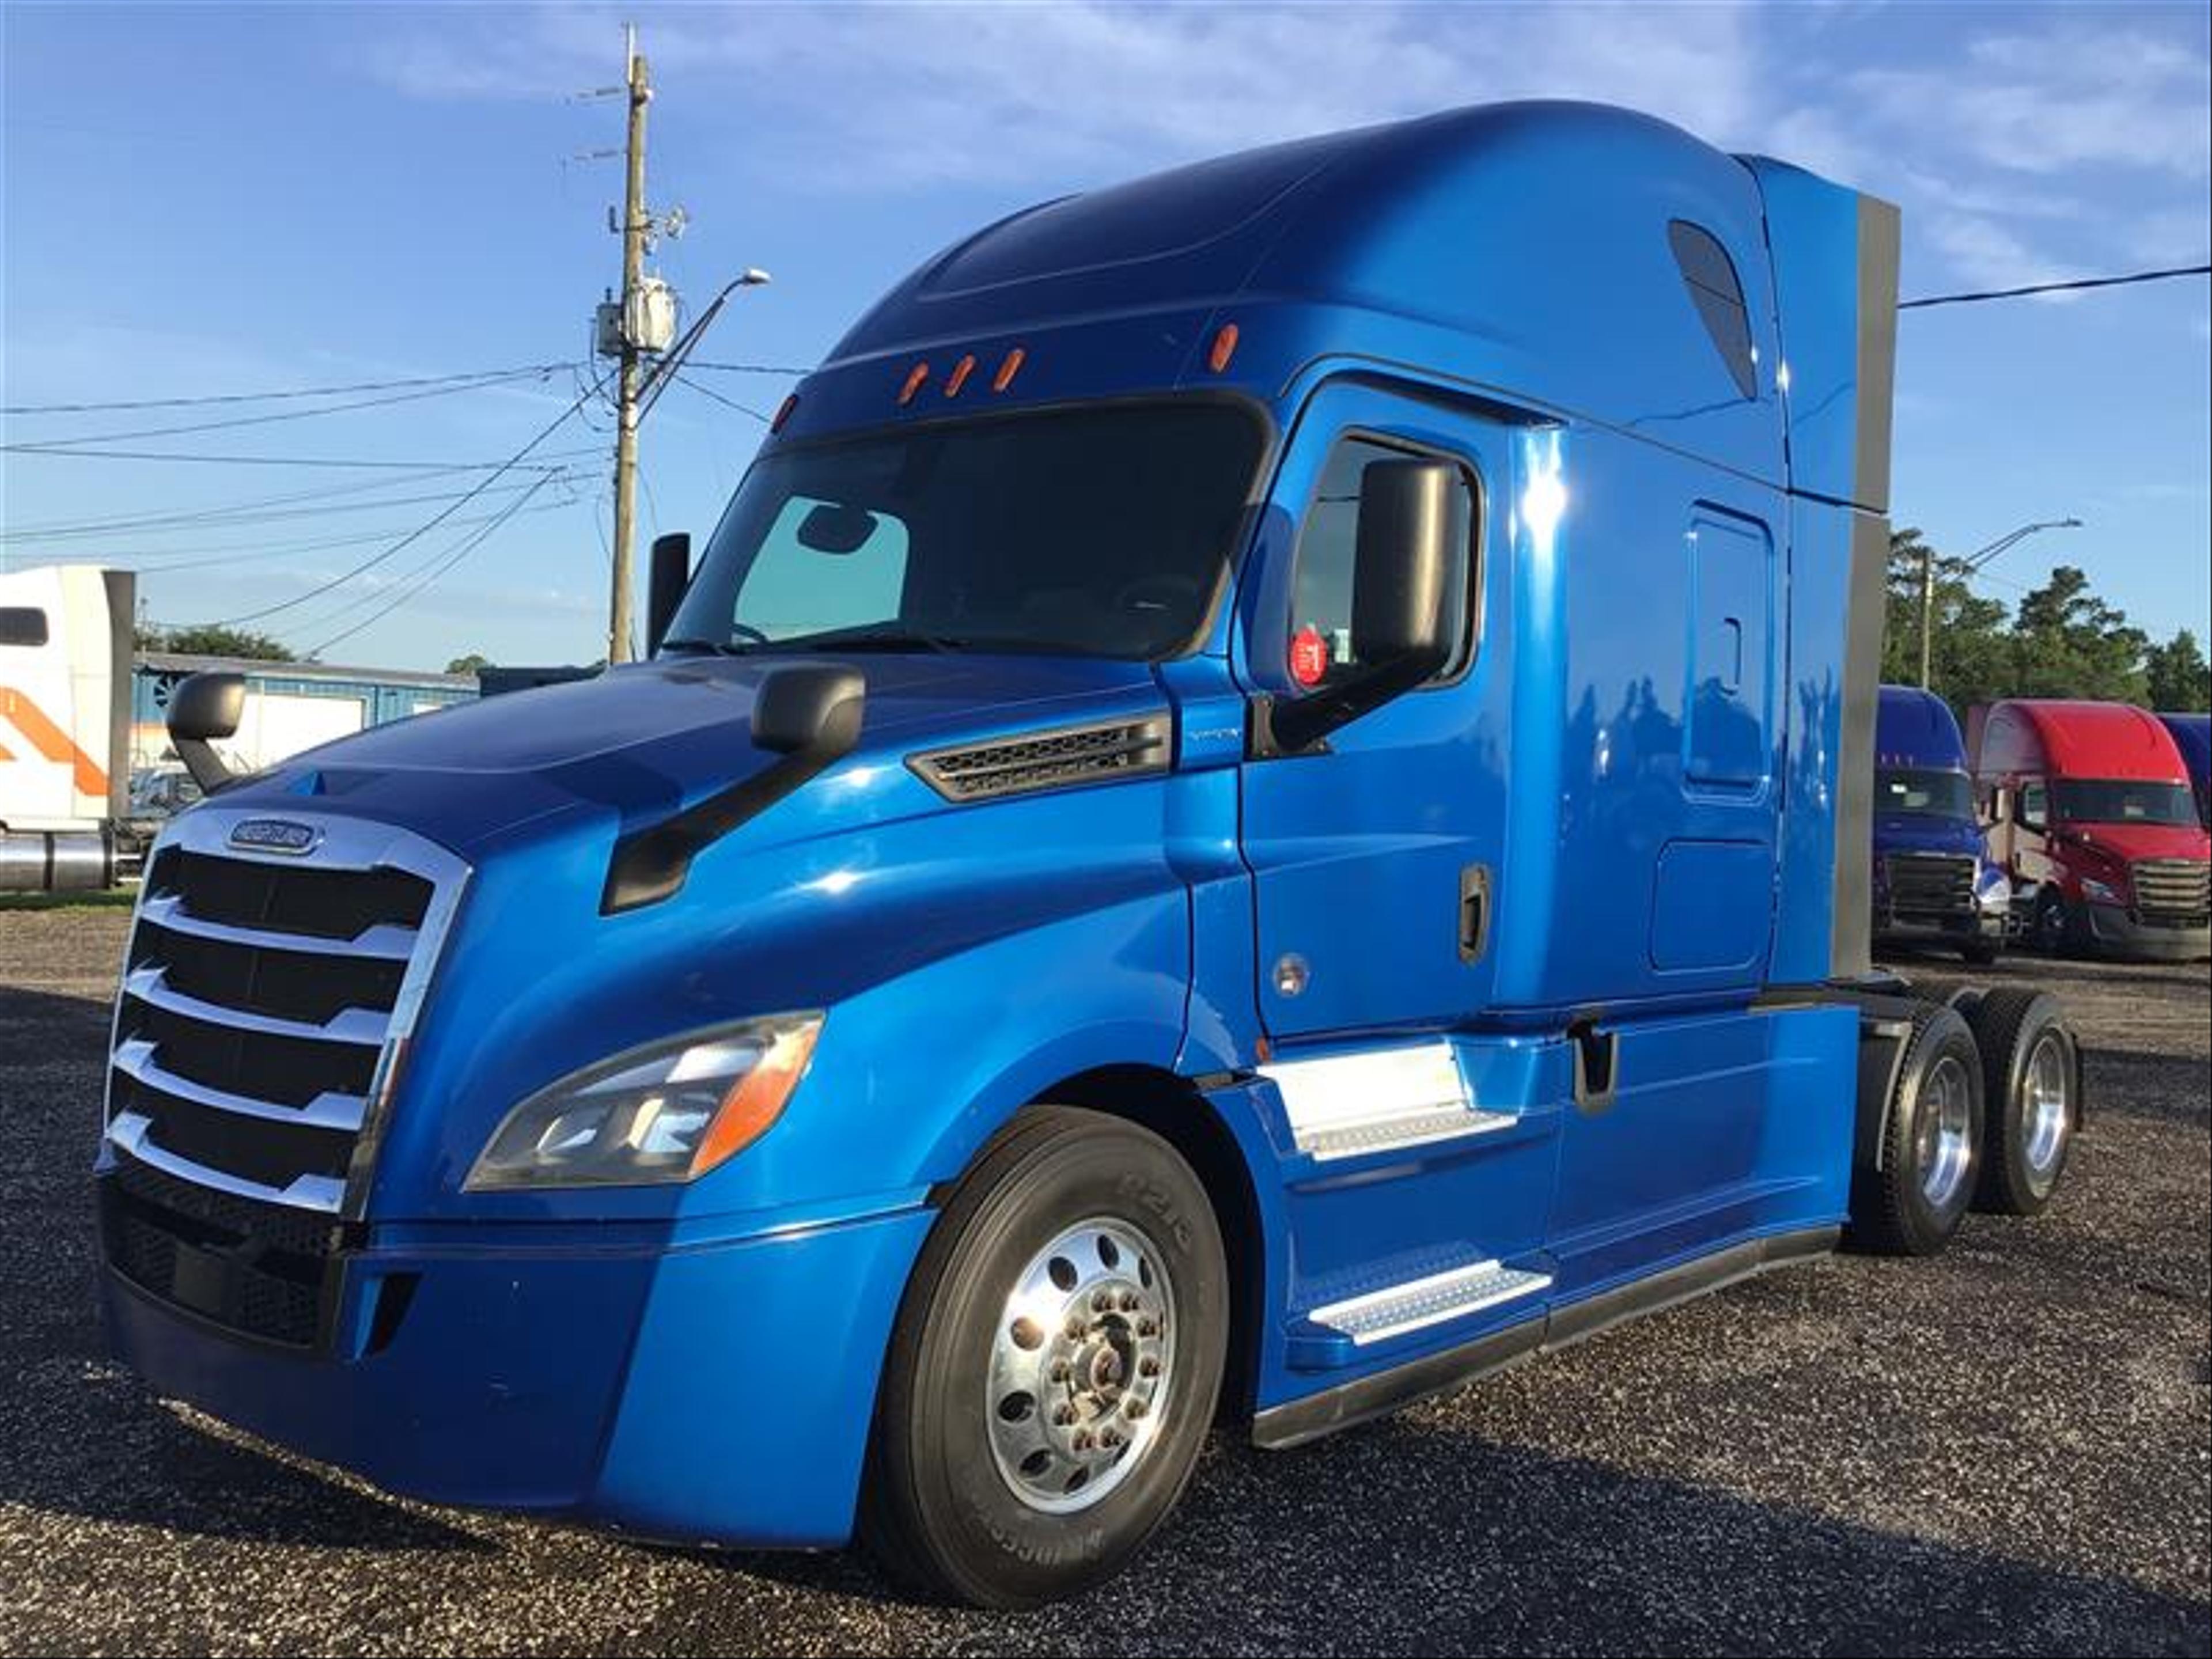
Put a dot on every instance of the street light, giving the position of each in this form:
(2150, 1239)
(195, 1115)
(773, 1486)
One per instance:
(1972, 562)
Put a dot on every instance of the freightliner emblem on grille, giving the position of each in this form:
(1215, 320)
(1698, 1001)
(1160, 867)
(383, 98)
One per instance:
(274, 836)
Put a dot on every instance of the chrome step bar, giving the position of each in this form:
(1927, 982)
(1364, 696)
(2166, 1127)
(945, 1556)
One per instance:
(1390, 1134)
(1401, 1309)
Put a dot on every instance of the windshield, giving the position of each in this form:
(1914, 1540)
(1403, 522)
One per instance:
(1923, 792)
(2123, 800)
(1097, 531)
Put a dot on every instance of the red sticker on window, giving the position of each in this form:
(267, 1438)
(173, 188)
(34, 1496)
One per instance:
(1309, 656)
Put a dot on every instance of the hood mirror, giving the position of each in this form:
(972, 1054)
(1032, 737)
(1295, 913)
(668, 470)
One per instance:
(203, 710)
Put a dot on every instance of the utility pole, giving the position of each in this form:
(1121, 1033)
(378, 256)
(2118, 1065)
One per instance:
(636, 226)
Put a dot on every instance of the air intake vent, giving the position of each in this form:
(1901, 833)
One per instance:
(1048, 760)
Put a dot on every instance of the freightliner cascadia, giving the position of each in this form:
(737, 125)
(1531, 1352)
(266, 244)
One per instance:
(1260, 805)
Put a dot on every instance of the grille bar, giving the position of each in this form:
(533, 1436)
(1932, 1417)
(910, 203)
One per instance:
(1930, 884)
(363, 1026)
(387, 941)
(134, 1058)
(130, 1132)
(2172, 889)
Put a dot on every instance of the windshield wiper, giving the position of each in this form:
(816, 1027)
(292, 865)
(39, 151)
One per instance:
(875, 637)
(717, 647)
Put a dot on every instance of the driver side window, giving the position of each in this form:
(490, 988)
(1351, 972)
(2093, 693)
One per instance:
(1320, 647)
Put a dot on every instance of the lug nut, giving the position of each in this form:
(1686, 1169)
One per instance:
(1064, 1416)
(1134, 1410)
(1148, 1366)
(1109, 1440)
(1076, 1326)
(1060, 1370)
(1083, 1442)
(1130, 1301)
(1104, 1302)
(1148, 1328)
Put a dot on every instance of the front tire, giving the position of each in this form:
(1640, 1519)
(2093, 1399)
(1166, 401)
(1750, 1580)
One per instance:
(2054, 923)
(1912, 1201)
(1054, 1368)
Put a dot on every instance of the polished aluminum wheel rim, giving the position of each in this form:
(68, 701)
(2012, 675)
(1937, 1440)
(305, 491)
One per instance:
(1945, 1131)
(1081, 1365)
(2046, 1110)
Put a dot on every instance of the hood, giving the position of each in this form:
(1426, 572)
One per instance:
(2133, 842)
(643, 739)
(1925, 832)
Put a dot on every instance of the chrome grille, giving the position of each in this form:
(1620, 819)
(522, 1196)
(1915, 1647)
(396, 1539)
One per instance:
(2174, 891)
(265, 999)
(1930, 884)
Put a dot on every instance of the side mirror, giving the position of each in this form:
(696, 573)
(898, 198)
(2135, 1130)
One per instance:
(203, 708)
(1402, 560)
(808, 715)
(669, 573)
(1401, 626)
(807, 707)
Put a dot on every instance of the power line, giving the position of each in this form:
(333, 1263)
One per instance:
(467, 546)
(233, 460)
(752, 369)
(432, 523)
(277, 509)
(76, 439)
(709, 392)
(271, 397)
(2068, 286)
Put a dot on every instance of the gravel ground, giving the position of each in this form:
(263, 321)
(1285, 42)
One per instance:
(2008, 1449)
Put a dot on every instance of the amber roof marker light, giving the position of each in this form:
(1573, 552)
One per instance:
(1009, 366)
(783, 412)
(1225, 348)
(958, 377)
(914, 378)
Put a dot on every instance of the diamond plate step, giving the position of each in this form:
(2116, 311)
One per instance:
(1384, 1134)
(1400, 1310)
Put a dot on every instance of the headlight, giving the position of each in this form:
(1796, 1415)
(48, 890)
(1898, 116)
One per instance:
(1995, 892)
(668, 1112)
(2100, 892)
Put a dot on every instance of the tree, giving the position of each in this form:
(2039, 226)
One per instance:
(1969, 656)
(469, 664)
(210, 640)
(2067, 642)
(2180, 681)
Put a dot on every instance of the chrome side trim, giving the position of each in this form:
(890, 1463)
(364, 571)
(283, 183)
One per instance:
(128, 1133)
(364, 1027)
(328, 1110)
(385, 941)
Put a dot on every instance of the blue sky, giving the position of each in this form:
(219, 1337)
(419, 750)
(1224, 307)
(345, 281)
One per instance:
(205, 198)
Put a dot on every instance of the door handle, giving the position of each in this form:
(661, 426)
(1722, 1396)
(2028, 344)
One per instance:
(1474, 912)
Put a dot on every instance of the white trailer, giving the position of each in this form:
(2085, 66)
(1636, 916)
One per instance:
(66, 647)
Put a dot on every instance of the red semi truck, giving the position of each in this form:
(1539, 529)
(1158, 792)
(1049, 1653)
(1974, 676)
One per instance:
(2090, 811)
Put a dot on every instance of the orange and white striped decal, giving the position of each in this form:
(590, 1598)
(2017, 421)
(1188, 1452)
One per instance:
(49, 740)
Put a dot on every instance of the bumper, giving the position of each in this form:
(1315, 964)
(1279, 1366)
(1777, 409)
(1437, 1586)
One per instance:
(716, 1392)
(2110, 930)
(1975, 926)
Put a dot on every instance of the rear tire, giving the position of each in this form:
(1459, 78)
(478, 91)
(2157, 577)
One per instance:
(1931, 1140)
(1054, 1368)
(2030, 1083)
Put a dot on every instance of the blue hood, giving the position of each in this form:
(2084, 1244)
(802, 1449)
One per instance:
(1922, 832)
(641, 741)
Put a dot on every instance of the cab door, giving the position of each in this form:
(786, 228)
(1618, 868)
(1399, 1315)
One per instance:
(1378, 856)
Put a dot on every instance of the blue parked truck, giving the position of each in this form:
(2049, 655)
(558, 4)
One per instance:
(1934, 880)
(1259, 806)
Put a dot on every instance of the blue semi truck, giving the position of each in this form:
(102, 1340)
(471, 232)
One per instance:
(1934, 880)
(1259, 806)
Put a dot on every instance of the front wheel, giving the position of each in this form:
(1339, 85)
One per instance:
(2054, 927)
(1054, 1368)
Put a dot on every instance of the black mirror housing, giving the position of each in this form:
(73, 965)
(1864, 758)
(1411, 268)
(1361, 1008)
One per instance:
(808, 706)
(1402, 560)
(668, 574)
(1401, 623)
(203, 708)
